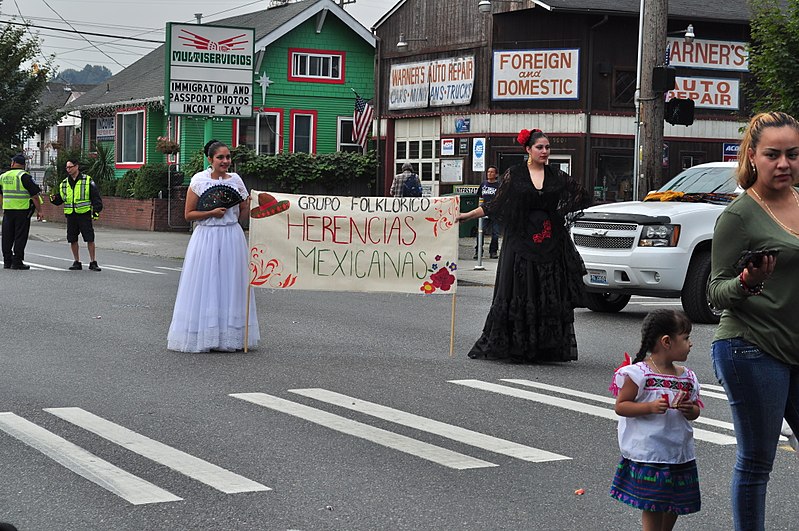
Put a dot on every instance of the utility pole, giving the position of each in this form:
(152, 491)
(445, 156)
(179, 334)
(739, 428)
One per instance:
(653, 53)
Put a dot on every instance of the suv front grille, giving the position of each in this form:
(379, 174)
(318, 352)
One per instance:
(605, 226)
(603, 242)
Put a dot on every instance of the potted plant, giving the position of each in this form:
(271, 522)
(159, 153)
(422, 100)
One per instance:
(166, 146)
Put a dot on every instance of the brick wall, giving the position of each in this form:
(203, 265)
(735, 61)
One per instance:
(134, 214)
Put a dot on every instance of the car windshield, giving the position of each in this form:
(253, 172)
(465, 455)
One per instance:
(719, 180)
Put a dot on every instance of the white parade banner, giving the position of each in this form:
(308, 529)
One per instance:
(365, 244)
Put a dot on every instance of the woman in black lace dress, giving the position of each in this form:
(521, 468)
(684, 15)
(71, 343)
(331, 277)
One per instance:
(539, 274)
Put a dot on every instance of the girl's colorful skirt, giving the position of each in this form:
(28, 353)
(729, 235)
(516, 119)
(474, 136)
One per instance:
(658, 487)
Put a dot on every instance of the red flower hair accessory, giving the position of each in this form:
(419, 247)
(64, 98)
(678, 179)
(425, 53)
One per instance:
(523, 137)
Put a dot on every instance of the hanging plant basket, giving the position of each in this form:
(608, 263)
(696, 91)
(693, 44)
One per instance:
(166, 146)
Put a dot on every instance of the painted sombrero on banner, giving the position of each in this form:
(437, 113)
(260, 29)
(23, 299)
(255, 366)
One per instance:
(268, 206)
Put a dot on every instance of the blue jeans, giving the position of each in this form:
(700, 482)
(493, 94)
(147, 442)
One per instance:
(761, 391)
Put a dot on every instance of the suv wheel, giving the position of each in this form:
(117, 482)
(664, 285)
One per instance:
(694, 292)
(606, 302)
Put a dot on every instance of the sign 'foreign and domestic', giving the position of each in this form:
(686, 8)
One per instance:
(438, 83)
(209, 70)
(546, 74)
(337, 243)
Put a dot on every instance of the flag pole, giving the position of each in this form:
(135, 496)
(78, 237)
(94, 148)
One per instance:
(452, 328)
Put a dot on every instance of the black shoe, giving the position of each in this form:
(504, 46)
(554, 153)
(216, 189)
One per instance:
(494, 256)
(76, 266)
(7, 265)
(474, 257)
(20, 266)
(94, 267)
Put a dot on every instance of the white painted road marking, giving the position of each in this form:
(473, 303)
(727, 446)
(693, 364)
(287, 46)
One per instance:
(194, 467)
(442, 456)
(456, 433)
(127, 486)
(580, 407)
(171, 268)
(610, 400)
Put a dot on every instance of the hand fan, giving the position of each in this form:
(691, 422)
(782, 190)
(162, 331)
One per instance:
(218, 195)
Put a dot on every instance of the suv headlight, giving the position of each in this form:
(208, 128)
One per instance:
(659, 236)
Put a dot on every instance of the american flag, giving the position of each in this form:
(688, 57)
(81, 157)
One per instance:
(361, 120)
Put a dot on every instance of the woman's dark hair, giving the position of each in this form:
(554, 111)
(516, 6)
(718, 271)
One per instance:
(212, 146)
(659, 323)
(527, 137)
(747, 174)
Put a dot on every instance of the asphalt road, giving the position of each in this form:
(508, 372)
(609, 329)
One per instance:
(84, 357)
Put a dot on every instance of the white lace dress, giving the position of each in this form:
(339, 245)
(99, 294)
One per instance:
(210, 306)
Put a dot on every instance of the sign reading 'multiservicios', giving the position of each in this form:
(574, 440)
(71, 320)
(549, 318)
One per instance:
(209, 70)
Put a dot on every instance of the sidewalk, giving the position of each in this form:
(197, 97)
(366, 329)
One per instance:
(173, 245)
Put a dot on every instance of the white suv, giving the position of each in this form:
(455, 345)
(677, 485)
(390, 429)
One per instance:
(657, 248)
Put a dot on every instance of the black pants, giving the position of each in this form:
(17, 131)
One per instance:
(16, 226)
(492, 228)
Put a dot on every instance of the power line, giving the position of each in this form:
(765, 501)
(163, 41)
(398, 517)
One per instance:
(87, 40)
(73, 30)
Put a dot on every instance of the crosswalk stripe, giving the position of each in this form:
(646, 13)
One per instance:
(456, 433)
(170, 268)
(125, 485)
(608, 400)
(581, 407)
(42, 266)
(131, 269)
(194, 467)
(442, 456)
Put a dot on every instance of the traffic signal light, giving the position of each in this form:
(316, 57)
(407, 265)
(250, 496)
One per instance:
(663, 78)
(679, 111)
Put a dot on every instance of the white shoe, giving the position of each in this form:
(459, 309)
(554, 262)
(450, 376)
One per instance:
(792, 440)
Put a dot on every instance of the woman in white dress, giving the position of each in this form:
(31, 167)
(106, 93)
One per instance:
(210, 307)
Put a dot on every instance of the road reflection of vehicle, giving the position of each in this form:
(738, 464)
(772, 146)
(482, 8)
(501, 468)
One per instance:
(659, 247)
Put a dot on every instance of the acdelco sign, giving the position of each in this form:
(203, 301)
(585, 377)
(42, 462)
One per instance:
(209, 70)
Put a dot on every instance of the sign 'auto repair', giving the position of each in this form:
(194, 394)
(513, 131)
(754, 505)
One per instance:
(209, 70)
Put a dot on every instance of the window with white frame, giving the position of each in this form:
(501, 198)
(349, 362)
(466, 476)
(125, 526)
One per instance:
(345, 141)
(302, 133)
(130, 137)
(317, 65)
(422, 156)
(261, 133)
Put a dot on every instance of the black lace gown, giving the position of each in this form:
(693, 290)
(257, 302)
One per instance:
(539, 274)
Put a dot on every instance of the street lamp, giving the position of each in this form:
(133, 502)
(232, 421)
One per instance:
(688, 35)
(402, 43)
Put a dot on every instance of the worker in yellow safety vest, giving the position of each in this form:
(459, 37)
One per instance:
(20, 196)
(82, 203)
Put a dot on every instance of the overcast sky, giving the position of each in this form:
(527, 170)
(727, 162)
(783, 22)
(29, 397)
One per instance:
(144, 19)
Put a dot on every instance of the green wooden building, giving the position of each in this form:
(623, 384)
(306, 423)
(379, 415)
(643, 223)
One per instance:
(310, 58)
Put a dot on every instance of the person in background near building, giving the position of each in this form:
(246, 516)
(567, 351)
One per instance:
(398, 188)
(539, 274)
(486, 192)
(754, 350)
(211, 302)
(20, 196)
(82, 203)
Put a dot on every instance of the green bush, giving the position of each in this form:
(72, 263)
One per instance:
(124, 187)
(194, 164)
(337, 173)
(108, 188)
(151, 181)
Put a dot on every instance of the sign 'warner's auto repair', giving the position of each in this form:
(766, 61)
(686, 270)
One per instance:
(209, 70)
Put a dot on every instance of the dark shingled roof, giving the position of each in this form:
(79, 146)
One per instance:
(143, 81)
(722, 11)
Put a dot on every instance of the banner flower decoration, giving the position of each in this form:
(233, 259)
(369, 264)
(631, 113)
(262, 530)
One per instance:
(445, 214)
(440, 277)
(269, 272)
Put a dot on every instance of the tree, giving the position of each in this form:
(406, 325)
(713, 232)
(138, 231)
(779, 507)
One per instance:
(21, 116)
(774, 56)
(90, 75)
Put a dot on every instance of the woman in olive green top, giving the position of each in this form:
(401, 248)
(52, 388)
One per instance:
(756, 347)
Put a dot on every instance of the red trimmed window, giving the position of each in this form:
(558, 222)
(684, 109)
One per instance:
(262, 132)
(318, 66)
(130, 138)
(302, 138)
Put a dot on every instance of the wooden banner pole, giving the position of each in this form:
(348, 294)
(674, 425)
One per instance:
(452, 328)
(247, 320)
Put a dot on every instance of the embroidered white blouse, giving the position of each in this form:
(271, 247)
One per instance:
(657, 438)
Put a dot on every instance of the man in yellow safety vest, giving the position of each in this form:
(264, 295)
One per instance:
(20, 196)
(82, 203)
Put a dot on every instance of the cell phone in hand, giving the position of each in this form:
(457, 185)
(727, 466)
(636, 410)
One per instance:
(753, 257)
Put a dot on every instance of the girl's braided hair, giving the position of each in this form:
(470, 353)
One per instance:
(659, 323)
